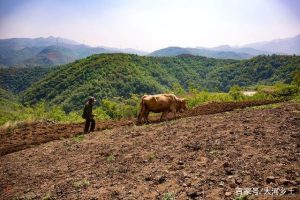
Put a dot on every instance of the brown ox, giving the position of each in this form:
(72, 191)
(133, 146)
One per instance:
(164, 103)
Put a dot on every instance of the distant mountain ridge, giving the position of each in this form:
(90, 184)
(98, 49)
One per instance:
(20, 43)
(220, 54)
(282, 46)
(32, 52)
(40, 52)
(287, 46)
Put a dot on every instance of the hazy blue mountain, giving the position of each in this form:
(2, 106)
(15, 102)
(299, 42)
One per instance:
(281, 46)
(175, 51)
(288, 46)
(31, 52)
(170, 51)
(51, 55)
(21, 43)
(11, 57)
(246, 50)
(21, 52)
(127, 50)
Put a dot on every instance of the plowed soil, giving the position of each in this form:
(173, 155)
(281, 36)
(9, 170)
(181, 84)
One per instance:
(209, 156)
(29, 135)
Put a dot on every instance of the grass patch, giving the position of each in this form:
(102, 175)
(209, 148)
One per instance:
(111, 158)
(198, 98)
(214, 152)
(151, 157)
(9, 126)
(48, 196)
(81, 184)
(78, 138)
(242, 197)
(296, 98)
(269, 106)
(168, 196)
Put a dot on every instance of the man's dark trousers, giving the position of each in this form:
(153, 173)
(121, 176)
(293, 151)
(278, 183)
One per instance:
(89, 122)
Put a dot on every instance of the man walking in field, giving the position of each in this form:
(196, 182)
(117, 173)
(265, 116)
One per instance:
(89, 116)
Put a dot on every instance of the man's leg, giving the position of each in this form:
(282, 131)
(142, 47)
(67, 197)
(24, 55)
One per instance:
(87, 125)
(93, 124)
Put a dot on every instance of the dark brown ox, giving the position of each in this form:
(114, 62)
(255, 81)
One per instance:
(164, 103)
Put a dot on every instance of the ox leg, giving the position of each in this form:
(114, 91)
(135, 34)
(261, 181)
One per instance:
(146, 116)
(164, 115)
(140, 117)
(173, 110)
(161, 117)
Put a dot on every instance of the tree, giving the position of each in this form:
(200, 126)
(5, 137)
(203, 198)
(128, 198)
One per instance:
(177, 89)
(296, 78)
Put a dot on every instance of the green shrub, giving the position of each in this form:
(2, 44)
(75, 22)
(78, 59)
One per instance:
(168, 196)
(196, 98)
(100, 114)
(118, 108)
(285, 90)
(236, 93)
(278, 90)
(296, 98)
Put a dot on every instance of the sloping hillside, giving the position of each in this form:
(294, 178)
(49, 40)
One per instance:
(120, 75)
(103, 76)
(9, 103)
(17, 80)
(204, 157)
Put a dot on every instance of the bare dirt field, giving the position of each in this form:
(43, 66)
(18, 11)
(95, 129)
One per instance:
(199, 156)
(29, 135)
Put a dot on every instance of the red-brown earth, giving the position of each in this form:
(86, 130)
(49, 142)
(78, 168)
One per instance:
(198, 156)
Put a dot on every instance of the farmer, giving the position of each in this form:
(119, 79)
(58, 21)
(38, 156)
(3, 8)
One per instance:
(89, 116)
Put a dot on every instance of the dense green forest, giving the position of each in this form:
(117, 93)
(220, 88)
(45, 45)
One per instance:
(120, 75)
(118, 81)
(8, 106)
(17, 80)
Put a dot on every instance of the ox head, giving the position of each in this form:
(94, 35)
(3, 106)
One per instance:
(181, 105)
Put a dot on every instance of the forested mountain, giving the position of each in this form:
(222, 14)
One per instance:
(120, 75)
(104, 76)
(16, 80)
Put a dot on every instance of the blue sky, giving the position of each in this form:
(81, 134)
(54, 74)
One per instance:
(151, 24)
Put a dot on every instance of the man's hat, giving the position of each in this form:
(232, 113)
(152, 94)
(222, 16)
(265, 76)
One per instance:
(92, 98)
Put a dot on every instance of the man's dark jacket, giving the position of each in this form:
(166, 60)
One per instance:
(88, 111)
